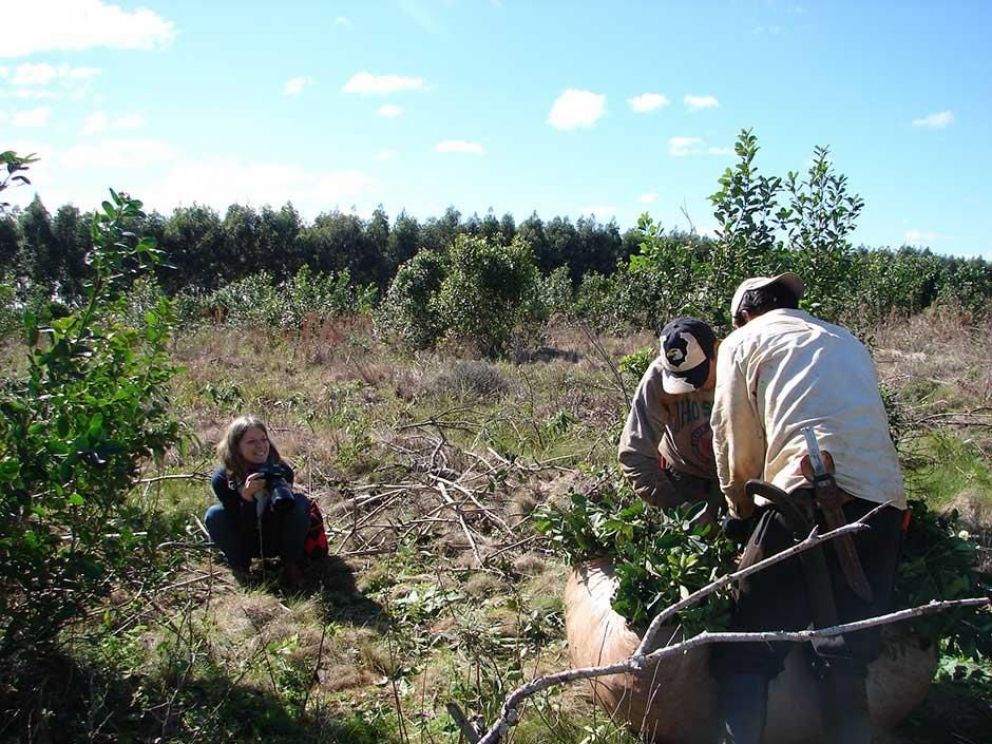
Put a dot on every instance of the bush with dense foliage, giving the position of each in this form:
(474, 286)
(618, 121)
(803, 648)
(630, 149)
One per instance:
(74, 433)
(481, 292)
(259, 300)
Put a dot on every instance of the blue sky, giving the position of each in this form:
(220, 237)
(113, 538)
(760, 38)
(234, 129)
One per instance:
(566, 108)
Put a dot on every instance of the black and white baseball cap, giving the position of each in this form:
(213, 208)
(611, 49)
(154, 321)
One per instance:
(687, 346)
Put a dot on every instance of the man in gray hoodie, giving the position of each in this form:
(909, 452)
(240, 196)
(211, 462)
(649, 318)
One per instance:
(666, 450)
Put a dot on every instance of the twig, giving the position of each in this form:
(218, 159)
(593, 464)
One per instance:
(511, 546)
(489, 514)
(316, 668)
(461, 520)
(609, 362)
(179, 476)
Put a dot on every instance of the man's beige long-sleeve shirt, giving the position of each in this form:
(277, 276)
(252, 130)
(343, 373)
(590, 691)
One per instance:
(786, 370)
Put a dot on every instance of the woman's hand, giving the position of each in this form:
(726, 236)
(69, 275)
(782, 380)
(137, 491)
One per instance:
(253, 484)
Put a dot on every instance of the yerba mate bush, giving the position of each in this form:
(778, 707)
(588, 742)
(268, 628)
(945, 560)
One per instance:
(74, 433)
(479, 292)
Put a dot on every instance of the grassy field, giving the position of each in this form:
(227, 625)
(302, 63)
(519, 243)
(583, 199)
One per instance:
(428, 468)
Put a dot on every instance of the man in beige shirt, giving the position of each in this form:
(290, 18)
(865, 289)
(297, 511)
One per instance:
(781, 371)
(666, 450)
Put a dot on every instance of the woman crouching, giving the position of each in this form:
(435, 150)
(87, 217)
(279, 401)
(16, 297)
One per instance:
(259, 515)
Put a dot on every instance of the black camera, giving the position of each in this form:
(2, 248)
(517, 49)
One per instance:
(276, 476)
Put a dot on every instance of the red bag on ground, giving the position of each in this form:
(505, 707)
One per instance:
(315, 543)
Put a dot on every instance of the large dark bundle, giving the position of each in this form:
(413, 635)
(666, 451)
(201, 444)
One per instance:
(675, 701)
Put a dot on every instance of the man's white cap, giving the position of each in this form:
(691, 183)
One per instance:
(790, 280)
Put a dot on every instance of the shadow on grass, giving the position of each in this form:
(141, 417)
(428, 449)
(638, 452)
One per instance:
(55, 698)
(340, 597)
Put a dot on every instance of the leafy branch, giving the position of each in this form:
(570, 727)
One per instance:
(14, 165)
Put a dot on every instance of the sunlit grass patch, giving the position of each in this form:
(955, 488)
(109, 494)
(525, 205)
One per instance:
(947, 468)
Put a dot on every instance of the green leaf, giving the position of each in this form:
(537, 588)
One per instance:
(9, 470)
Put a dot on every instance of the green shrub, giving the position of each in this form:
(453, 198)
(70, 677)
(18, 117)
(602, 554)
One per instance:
(257, 301)
(410, 308)
(636, 364)
(940, 562)
(10, 314)
(557, 293)
(73, 436)
(596, 303)
(490, 293)
(480, 293)
(658, 556)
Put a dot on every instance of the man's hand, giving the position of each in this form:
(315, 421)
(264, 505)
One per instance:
(738, 530)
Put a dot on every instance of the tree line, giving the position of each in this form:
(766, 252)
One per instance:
(206, 251)
(416, 274)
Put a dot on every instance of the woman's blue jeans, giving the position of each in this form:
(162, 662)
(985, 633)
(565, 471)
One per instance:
(282, 534)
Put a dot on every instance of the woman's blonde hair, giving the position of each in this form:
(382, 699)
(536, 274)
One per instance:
(229, 447)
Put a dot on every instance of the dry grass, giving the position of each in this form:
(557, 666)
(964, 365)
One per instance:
(428, 468)
(947, 353)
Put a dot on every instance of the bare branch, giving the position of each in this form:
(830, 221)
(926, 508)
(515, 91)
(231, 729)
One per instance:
(509, 711)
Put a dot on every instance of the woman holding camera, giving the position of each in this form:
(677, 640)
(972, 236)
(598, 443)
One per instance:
(258, 514)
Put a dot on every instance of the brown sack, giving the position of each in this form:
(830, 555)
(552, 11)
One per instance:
(674, 702)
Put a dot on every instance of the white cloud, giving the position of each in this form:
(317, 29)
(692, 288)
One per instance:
(29, 81)
(576, 108)
(390, 111)
(939, 120)
(294, 86)
(600, 212)
(384, 155)
(342, 21)
(123, 153)
(647, 102)
(95, 123)
(648, 198)
(917, 237)
(697, 103)
(70, 25)
(30, 118)
(681, 147)
(99, 121)
(128, 121)
(367, 84)
(340, 186)
(460, 146)
(219, 182)
(32, 75)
